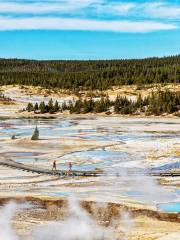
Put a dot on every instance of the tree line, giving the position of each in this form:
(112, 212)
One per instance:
(156, 103)
(4, 98)
(50, 107)
(90, 75)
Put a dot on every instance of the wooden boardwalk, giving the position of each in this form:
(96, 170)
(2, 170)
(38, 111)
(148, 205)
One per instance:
(63, 173)
(165, 174)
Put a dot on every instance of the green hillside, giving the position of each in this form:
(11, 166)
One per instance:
(75, 75)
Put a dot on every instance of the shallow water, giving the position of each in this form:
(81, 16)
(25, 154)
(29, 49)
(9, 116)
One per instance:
(169, 166)
(173, 207)
(96, 159)
(129, 145)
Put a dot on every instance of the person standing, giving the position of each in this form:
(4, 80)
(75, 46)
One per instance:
(70, 166)
(54, 166)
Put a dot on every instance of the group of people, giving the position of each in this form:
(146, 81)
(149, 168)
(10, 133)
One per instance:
(54, 168)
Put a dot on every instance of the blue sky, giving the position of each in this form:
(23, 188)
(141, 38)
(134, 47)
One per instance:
(89, 29)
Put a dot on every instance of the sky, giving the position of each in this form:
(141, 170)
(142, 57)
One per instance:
(89, 29)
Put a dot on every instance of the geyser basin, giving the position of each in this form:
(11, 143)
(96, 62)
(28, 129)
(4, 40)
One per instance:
(173, 207)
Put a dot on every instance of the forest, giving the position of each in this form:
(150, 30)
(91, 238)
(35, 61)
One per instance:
(89, 75)
(155, 104)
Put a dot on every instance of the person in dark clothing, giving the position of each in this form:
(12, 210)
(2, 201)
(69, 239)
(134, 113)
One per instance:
(70, 166)
(54, 166)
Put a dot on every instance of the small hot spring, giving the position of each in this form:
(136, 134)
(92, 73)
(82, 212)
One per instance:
(173, 207)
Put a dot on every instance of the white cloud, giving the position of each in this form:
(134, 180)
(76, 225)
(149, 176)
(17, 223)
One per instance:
(61, 6)
(48, 15)
(65, 6)
(52, 23)
(116, 8)
(148, 9)
(161, 10)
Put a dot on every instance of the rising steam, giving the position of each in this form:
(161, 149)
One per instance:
(79, 226)
(6, 215)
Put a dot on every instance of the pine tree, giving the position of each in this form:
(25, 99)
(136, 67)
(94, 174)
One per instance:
(88, 105)
(56, 106)
(50, 106)
(36, 107)
(139, 102)
(42, 107)
(35, 135)
(30, 107)
(64, 106)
